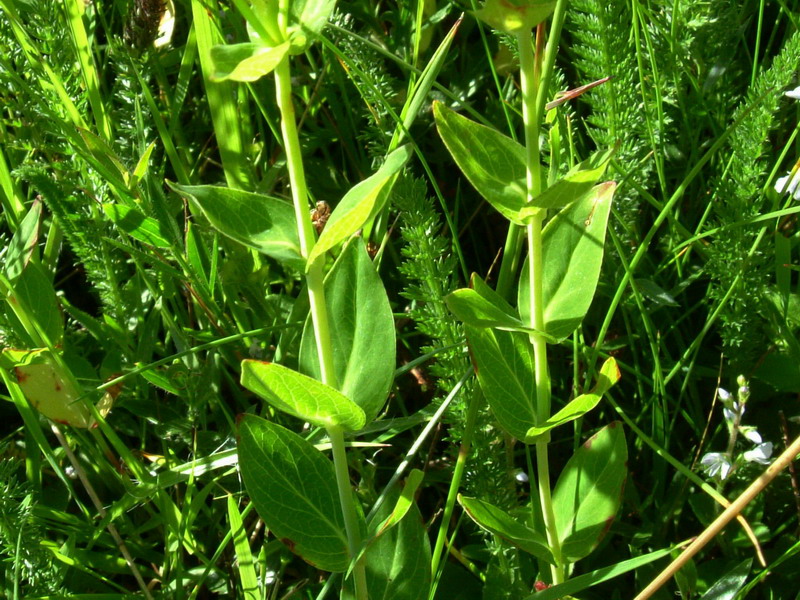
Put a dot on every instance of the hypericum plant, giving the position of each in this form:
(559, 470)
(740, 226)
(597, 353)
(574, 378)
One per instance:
(347, 349)
(565, 225)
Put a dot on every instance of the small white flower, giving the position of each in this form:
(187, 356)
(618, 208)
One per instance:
(760, 454)
(716, 463)
(751, 434)
(521, 476)
(732, 412)
(723, 394)
(786, 185)
(794, 94)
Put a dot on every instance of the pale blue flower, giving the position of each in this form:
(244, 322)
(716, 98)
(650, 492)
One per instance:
(716, 463)
(760, 454)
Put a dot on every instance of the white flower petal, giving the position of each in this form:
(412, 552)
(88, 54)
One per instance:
(786, 186)
(752, 435)
(723, 394)
(795, 93)
(716, 463)
(760, 454)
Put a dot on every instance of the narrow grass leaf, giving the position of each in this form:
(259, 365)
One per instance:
(503, 361)
(492, 162)
(293, 487)
(587, 580)
(244, 556)
(589, 490)
(362, 331)
(609, 375)
(363, 201)
(728, 586)
(260, 222)
(497, 521)
(301, 396)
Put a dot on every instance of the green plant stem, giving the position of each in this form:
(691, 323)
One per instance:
(348, 508)
(319, 313)
(455, 483)
(530, 68)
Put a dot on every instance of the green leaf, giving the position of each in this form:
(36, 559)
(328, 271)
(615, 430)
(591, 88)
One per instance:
(307, 16)
(301, 396)
(362, 331)
(36, 297)
(141, 166)
(492, 162)
(504, 364)
(515, 16)
(260, 222)
(589, 490)
(481, 306)
(579, 181)
(50, 388)
(23, 243)
(404, 502)
(609, 375)
(244, 557)
(247, 61)
(398, 563)
(293, 487)
(497, 521)
(136, 224)
(359, 204)
(572, 248)
(727, 587)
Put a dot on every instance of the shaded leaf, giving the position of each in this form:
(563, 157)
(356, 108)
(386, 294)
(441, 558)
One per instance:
(572, 248)
(504, 365)
(492, 162)
(293, 487)
(497, 521)
(260, 222)
(589, 490)
(362, 331)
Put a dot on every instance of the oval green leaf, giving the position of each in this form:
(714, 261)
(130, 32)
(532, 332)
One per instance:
(301, 396)
(579, 181)
(504, 364)
(136, 224)
(260, 222)
(363, 201)
(293, 487)
(492, 162)
(362, 331)
(572, 248)
(497, 521)
(24, 242)
(246, 62)
(589, 490)
(609, 375)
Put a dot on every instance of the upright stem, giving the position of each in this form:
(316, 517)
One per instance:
(530, 70)
(315, 281)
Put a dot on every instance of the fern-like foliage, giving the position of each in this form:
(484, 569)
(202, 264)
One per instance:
(737, 266)
(27, 567)
(602, 46)
(430, 271)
